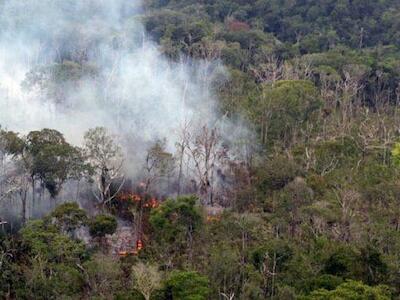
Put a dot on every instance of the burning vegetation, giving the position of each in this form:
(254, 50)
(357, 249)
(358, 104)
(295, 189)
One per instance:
(135, 209)
(137, 199)
(253, 153)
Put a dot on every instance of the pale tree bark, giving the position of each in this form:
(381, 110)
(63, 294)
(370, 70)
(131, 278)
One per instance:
(146, 279)
(206, 153)
(106, 158)
(16, 182)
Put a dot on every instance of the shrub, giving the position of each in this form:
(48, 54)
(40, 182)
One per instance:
(102, 225)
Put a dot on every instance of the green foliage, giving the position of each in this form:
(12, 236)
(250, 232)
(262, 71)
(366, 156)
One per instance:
(175, 225)
(182, 285)
(103, 276)
(317, 85)
(278, 248)
(377, 183)
(373, 269)
(146, 279)
(297, 99)
(58, 79)
(102, 225)
(174, 220)
(277, 173)
(352, 290)
(336, 154)
(340, 262)
(50, 261)
(53, 159)
(396, 154)
(325, 281)
(11, 143)
(69, 216)
(8, 276)
(223, 269)
(51, 281)
(291, 104)
(44, 239)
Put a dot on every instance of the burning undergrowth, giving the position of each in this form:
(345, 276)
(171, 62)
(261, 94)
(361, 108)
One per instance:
(146, 127)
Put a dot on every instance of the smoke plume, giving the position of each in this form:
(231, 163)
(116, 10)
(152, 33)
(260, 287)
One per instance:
(73, 65)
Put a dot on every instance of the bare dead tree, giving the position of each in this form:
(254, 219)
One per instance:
(206, 50)
(396, 109)
(14, 177)
(229, 296)
(270, 70)
(329, 80)
(297, 69)
(181, 146)
(19, 182)
(347, 200)
(205, 150)
(146, 279)
(159, 164)
(350, 87)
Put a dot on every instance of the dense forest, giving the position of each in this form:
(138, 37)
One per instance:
(291, 191)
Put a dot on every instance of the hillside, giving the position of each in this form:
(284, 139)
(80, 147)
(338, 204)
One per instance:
(213, 149)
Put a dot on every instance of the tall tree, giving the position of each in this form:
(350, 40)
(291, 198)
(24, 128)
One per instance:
(106, 158)
(54, 160)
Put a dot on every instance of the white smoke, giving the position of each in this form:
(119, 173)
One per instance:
(124, 82)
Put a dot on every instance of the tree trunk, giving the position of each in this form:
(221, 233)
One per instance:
(180, 172)
(23, 200)
(33, 193)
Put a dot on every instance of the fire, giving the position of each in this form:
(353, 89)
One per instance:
(143, 204)
(139, 245)
(129, 197)
(213, 219)
(126, 253)
(153, 203)
(135, 198)
(135, 251)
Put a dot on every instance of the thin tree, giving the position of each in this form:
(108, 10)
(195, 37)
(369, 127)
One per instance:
(146, 279)
(106, 158)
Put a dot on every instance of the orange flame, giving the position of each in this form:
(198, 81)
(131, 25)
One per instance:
(126, 253)
(213, 219)
(129, 197)
(152, 203)
(139, 245)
